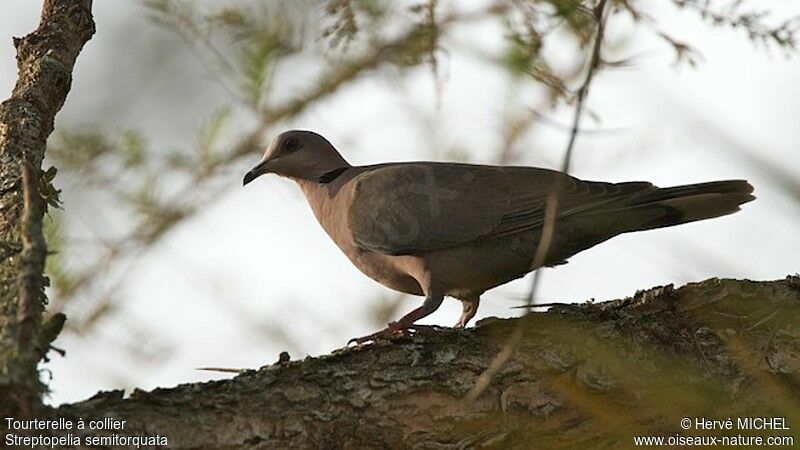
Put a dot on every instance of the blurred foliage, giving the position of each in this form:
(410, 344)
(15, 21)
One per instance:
(244, 45)
(739, 14)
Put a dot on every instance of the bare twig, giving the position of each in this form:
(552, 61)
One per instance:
(545, 305)
(222, 369)
(763, 321)
(551, 207)
(497, 363)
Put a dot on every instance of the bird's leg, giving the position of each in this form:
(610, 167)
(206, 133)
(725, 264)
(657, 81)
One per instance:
(431, 304)
(470, 307)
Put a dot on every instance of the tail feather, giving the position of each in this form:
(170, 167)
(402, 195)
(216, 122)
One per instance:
(665, 207)
(648, 207)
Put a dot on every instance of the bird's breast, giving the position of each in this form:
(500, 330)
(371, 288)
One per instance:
(331, 211)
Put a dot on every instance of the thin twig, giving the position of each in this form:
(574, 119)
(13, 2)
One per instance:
(222, 369)
(542, 118)
(551, 207)
(763, 321)
(497, 363)
(544, 305)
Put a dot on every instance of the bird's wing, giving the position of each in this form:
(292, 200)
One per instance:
(417, 207)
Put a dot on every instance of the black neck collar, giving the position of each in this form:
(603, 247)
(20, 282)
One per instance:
(327, 177)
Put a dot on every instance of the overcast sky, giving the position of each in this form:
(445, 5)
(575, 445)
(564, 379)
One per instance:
(258, 253)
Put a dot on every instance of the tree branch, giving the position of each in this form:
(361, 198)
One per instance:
(45, 59)
(591, 375)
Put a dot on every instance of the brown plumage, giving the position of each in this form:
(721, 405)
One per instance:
(447, 229)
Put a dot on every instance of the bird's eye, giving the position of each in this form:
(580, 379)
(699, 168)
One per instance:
(291, 145)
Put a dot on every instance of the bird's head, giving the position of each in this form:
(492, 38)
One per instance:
(298, 154)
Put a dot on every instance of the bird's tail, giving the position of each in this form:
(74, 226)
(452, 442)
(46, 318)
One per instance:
(665, 207)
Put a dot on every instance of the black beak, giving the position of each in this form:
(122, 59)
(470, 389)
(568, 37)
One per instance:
(256, 172)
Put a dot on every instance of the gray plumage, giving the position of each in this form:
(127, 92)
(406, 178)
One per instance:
(439, 229)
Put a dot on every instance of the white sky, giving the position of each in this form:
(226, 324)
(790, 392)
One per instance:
(258, 253)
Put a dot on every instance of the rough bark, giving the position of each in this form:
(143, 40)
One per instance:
(45, 59)
(582, 376)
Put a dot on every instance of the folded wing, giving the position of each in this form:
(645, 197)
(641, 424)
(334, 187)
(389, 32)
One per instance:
(413, 208)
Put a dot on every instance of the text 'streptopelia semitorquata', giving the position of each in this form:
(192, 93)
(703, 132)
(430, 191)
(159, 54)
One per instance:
(448, 229)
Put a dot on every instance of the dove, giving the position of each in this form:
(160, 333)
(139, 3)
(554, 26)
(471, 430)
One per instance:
(438, 229)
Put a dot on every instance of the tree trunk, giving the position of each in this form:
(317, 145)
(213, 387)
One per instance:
(581, 376)
(45, 59)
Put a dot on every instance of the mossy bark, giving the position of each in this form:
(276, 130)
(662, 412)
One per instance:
(45, 59)
(581, 376)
